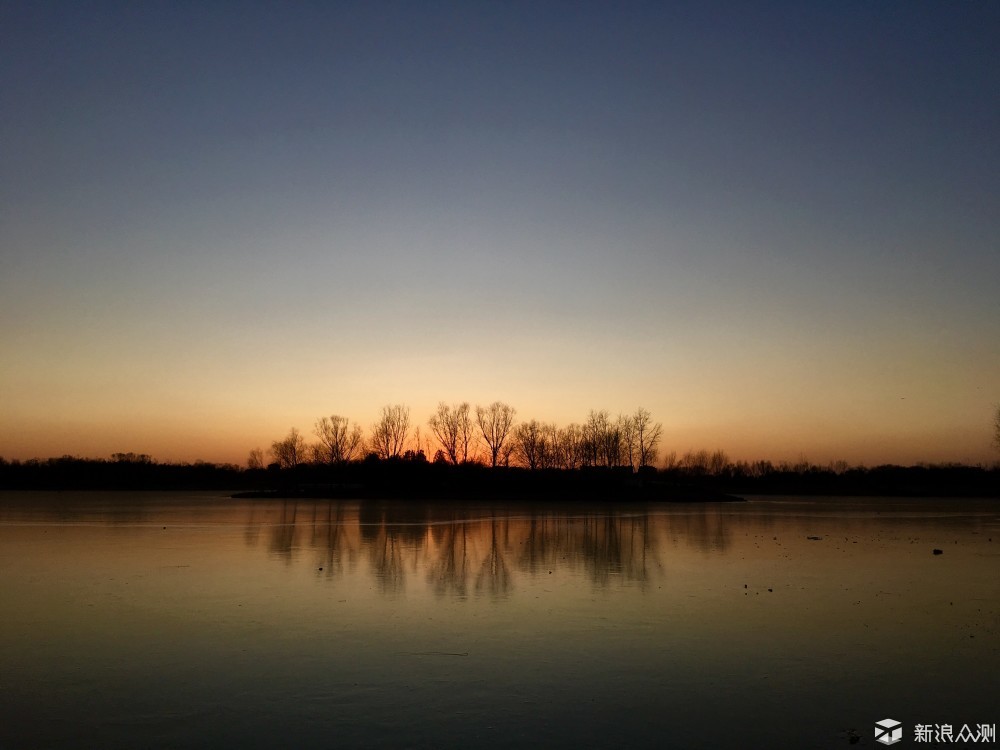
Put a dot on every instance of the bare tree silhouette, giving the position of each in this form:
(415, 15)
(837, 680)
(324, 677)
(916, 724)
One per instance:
(452, 426)
(467, 440)
(389, 433)
(702, 463)
(647, 436)
(571, 446)
(339, 441)
(629, 439)
(291, 451)
(256, 459)
(718, 462)
(418, 444)
(696, 462)
(549, 457)
(530, 444)
(495, 423)
(602, 440)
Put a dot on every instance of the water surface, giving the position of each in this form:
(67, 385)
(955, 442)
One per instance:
(188, 620)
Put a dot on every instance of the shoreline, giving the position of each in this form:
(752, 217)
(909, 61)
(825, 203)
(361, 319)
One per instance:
(673, 495)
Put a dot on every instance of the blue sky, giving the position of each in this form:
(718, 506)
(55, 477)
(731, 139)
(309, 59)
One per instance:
(775, 226)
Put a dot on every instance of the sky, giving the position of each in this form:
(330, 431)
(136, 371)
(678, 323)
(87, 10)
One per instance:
(774, 225)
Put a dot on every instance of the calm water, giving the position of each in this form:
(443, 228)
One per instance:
(186, 620)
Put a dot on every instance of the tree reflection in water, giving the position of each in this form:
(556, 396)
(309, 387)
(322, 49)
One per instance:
(477, 550)
(330, 537)
(387, 562)
(494, 576)
(448, 560)
(282, 539)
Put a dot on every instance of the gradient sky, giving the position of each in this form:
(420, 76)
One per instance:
(774, 225)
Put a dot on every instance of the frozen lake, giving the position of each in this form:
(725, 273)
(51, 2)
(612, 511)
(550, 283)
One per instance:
(189, 620)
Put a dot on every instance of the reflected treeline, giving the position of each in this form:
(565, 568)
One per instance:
(493, 576)
(328, 525)
(283, 532)
(478, 551)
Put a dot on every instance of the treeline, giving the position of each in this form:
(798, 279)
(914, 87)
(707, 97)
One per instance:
(835, 478)
(483, 451)
(459, 434)
(126, 471)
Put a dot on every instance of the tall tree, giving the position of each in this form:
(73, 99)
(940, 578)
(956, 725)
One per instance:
(571, 454)
(290, 451)
(647, 436)
(629, 439)
(590, 440)
(529, 443)
(495, 422)
(550, 454)
(452, 426)
(696, 462)
(390, 431)
(256, 459)
(718, 462)
(339, 441)
(417, 452)
(603, 440)
(467, 439)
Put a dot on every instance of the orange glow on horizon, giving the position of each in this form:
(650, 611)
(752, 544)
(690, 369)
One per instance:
(229, 440)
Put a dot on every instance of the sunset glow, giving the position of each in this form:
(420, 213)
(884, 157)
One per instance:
(774, 228)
